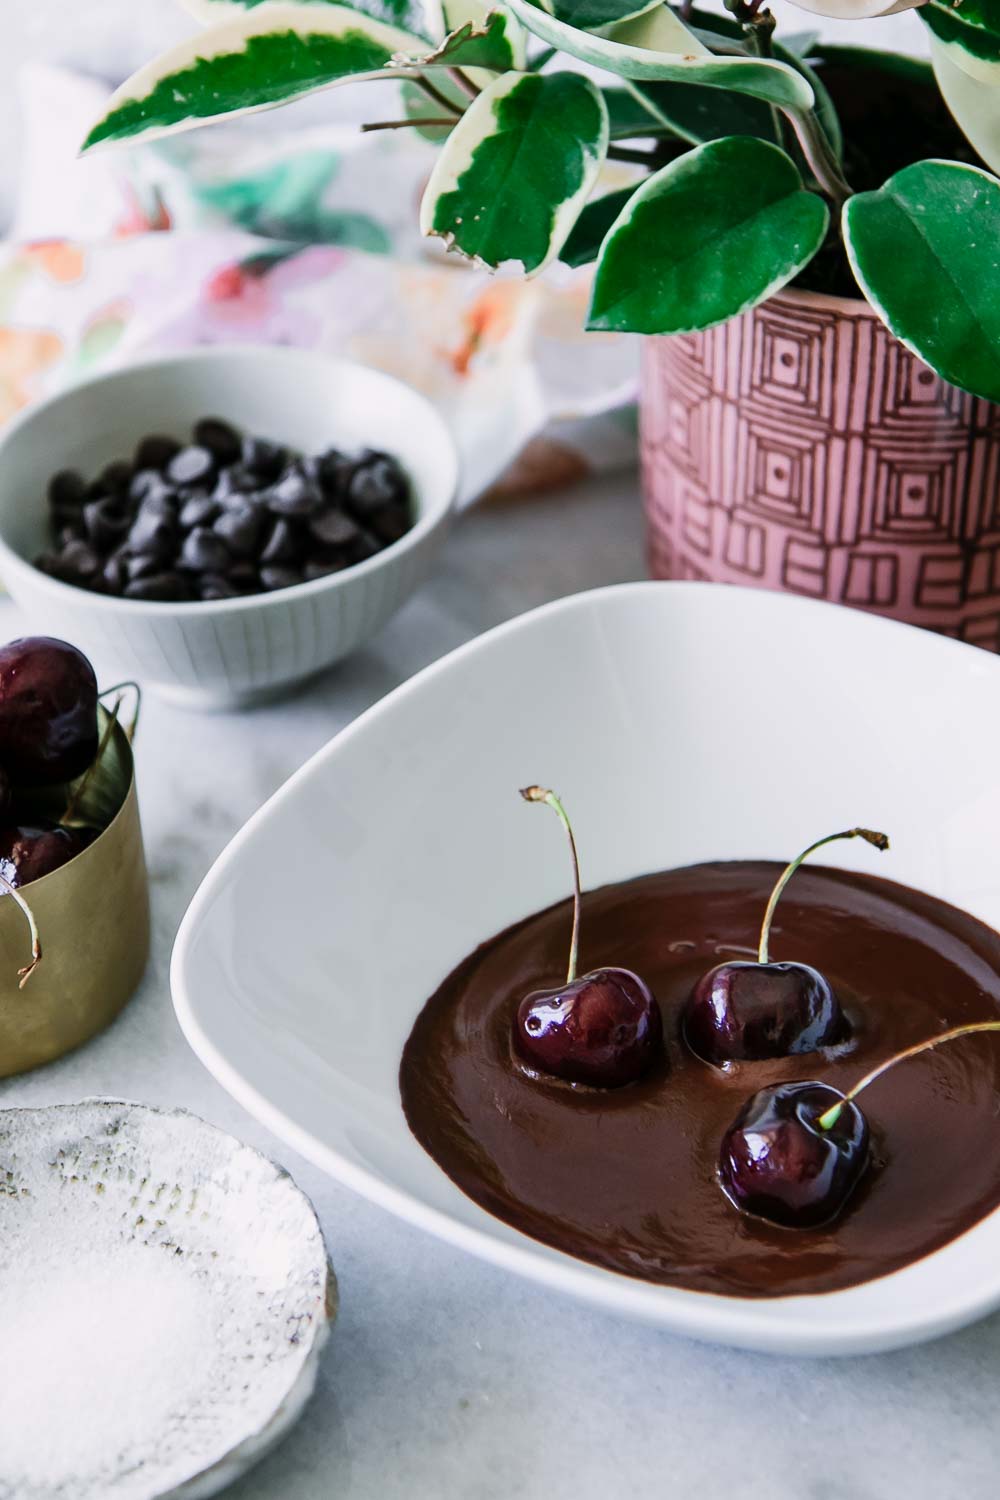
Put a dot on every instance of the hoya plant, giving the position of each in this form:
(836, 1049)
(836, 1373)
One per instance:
(755, 161)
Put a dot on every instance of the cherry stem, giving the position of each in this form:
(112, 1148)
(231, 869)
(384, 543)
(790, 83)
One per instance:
(23, 975)
(542, 794)
(76, 796)
(830, 1116)
(879, 840)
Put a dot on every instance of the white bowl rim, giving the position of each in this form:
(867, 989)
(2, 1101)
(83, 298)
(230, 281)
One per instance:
(739, 1321)
(437, 511)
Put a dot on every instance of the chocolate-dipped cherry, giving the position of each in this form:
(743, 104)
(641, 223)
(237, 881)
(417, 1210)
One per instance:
(796, 1151)
(778, 1163)
(743, 1011)
(48, 711)
(602, 1028)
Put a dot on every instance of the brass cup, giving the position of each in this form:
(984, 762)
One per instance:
(93, 922)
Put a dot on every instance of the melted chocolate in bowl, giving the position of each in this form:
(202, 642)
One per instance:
(626, 1178)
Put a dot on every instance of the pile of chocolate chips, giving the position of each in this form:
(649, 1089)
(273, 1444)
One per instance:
(222, 516)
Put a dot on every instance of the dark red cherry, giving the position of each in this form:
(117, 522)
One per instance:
(750, 1011)
(48, 711)
(27, 853)
(778, 1163)
(603, 1029)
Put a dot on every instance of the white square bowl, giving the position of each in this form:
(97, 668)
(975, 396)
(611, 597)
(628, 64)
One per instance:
(681, 722)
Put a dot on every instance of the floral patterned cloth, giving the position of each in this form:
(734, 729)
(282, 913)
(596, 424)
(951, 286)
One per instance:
(304, 236)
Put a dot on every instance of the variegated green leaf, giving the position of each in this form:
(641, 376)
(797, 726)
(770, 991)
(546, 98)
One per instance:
(409, 14)
(974, 104)
(711, 234)
(968, 34)
(254, 60)
(925, 248)
(595, 15)
(659, 46)
(587, 234)
(630, 115)
(497, 45)
(516, 170)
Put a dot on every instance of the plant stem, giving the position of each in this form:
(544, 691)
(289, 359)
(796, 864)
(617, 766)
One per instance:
(822, 163)
(449, 121)
(542, 794)
(879, 840)
(465, 83)
(433, 92)
(23, 975)
(829, 1117)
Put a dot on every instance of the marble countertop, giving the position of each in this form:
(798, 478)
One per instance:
(446, 1379)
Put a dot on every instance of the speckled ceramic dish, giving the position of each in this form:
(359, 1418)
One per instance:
(164, 1296)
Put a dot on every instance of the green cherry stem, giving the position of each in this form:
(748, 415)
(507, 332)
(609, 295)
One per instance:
(829, 1117)
(542, 794)
(879, 840)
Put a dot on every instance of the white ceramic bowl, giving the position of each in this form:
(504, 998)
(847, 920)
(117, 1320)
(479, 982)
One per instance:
(236, 651)
(166, 1295)
(681, 722)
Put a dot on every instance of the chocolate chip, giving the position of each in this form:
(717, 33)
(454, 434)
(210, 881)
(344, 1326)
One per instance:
(115, 573)
(240, 528)
(78, 560)
(156, 451)
(313, 570)
(200, 510)
(204, 552)
(159, 587)
(141, 565)
(236, 480)
(334, 529)
(279, 578)
(114, 477)
(153, 532)
(190, 465)
(214, 586)
(67, 488)
(148, 482)
(294, 495)
(373, 484)
(390, 522)
(105, 523)
(71, 531)
(264, 459)
(221, 440)
(282, 545)
(244, 576)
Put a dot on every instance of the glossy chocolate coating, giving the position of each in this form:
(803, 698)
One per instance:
(776, 1161)
(605, 1029)
(746, 1011)
(628, 1178)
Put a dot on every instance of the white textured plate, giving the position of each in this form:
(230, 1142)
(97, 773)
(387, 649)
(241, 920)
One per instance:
(164, 1295)
(681, 722)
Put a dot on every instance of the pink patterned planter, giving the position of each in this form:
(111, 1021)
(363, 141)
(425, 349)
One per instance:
(802, 447)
